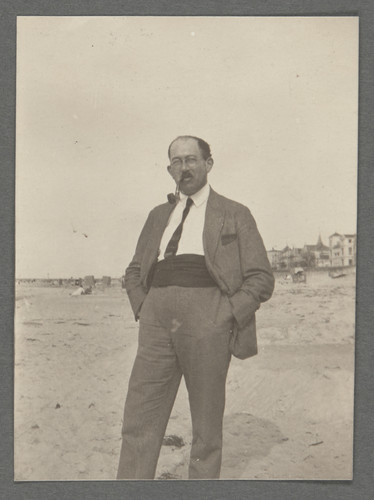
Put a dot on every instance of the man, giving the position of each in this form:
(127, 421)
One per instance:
(199, 273)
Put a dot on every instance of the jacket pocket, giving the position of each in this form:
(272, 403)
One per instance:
(243, 341)
(228, 238)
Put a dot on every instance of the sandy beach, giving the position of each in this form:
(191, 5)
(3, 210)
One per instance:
(289, 410)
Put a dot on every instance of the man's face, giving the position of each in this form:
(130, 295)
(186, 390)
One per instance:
(187, 165)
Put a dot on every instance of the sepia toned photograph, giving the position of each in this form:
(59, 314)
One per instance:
(186, 228)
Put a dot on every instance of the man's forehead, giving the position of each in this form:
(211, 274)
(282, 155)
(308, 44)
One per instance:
(184, 145)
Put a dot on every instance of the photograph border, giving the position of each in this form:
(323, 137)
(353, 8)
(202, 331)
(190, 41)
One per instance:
(362, 484)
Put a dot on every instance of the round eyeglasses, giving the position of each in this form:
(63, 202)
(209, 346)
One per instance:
(190, 161)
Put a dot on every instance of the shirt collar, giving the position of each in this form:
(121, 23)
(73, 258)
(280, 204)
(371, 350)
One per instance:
(198, 198)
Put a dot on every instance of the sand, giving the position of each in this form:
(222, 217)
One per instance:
(289, 410)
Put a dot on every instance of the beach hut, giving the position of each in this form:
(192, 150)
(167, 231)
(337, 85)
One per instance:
(89, 282)
(107, 280)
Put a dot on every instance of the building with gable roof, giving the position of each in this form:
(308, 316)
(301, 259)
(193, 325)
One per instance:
(342, 249)
(317, 255)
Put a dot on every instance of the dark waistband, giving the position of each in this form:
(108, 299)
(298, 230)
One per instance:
(188, 270)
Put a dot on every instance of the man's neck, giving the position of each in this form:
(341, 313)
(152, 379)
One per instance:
(199, 197)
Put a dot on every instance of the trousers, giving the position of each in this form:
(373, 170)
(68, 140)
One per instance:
(185, 332)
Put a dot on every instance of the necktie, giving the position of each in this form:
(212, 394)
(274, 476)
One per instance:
(172, 246)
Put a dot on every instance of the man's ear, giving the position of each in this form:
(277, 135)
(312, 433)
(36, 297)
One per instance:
(209, 164)
(169, 169)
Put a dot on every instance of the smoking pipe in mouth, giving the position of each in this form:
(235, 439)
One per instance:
(174, 197)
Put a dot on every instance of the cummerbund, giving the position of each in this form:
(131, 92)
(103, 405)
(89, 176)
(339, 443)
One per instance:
(188, 270)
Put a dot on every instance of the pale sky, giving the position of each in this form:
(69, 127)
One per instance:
(99, 99)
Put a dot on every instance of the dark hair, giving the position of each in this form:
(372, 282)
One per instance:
(204, 146)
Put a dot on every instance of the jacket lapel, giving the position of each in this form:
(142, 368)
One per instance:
(160, 224)
(214, 220)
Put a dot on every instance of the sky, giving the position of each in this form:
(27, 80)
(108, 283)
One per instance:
(99, 99)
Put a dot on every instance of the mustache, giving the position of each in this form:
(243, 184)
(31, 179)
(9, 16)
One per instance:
(182, 176)
(185, 175)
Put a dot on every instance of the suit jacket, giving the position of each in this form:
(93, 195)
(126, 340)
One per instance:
(235, 257)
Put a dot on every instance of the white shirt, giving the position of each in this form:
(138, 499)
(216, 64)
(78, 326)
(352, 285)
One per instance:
(192, 234)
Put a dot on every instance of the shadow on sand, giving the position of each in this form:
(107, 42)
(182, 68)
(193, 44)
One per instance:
(245, 438)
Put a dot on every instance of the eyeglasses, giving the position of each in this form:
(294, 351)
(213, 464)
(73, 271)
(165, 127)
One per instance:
(190, 161)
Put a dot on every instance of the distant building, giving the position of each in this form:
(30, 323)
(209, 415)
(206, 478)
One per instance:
(290, 258)
(274, 257)
(343, 249)
(316, 255)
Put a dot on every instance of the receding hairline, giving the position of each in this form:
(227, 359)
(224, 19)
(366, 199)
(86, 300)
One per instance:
(203, 145)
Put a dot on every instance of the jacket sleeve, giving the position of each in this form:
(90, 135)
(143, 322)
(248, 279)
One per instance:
(135, 290)
(258, 279)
